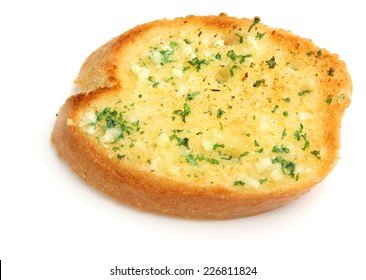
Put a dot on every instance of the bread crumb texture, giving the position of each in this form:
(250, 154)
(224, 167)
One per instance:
(215, 102)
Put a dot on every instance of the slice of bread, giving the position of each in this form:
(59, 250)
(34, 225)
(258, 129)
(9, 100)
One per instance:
(205, 117)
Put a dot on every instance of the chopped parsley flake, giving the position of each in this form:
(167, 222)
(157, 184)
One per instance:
(137, 125)
(299, 134)
(259, 151)
(120, 156)
(212, 160)
(185, 68)
(241, 38)
(258, 83)
(329, 99)
(218, 56)
(243, 155)
(254, 23)
(196, 62)
(217, 145)
(302, 93)
(239, 183)
(183, 142)
(331, 71)
(284, 134)
(260, 35)
(225, 157)
(173, 44)
(233, 56)
(262, 181)
(192, 95)
(342, 96)
(168, 53)
(180, 141)
(287, 167)
(316, 153)
(102, 114)
(194, 160)
(109, 118)
(231, 70)
(183, 113)
(190, 159)
(275, 109)
(154, 83)
(280, 150)
(219, 113)
(271, 63)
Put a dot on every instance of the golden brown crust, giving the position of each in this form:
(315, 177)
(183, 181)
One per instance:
(147, 191)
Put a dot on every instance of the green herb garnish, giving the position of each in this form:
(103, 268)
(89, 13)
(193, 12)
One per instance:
(260, 35)
(154, 83)
(233, 56)
(316, 153)
(183, 113)
(258, 83)
(196, 62)
(219, 113)
(195, 159)
(302, 93)
(288, 167)
(180, 141)
(239, 183)
(243, 155)
(283, 134)
(280, 150)
(271, 63)
(217, 145)
(218, 56)
(102, 114)
(192, 95)
(190, 159)
(275, 109)
(259, 151)
(329, 99)
(261, 181)
(299, 134)
(241, 38)
(120, 156)
(255, 22)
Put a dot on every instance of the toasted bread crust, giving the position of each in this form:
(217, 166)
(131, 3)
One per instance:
(150, 192)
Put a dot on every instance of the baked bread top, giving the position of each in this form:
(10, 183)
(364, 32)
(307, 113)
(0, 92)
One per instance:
(205, 117)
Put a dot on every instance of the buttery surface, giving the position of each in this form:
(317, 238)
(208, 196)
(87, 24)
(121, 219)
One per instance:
(219, 108)
(205, 117)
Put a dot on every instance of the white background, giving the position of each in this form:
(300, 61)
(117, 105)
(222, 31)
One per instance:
(54, 226)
